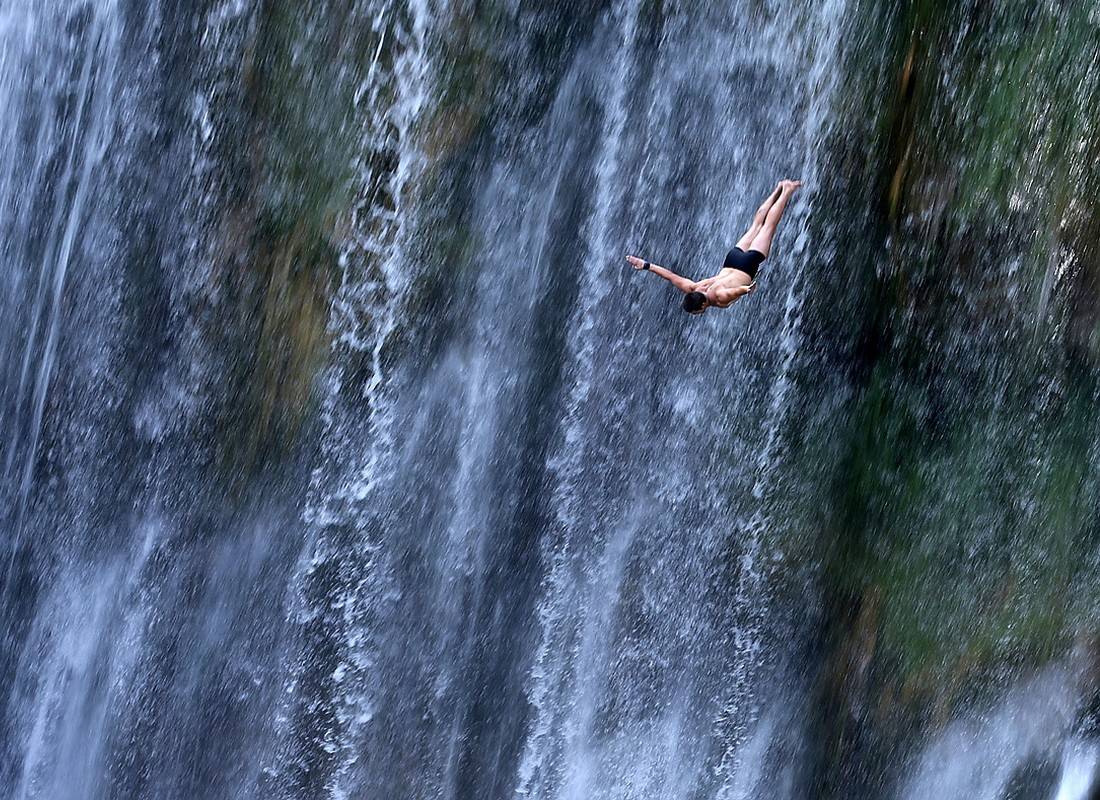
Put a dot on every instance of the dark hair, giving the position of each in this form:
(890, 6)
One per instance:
(694, 301)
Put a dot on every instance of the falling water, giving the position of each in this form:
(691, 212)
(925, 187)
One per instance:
(344, 456)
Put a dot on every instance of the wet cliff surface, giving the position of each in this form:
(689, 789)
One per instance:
(343, 455)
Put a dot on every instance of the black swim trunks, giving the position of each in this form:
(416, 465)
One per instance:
(746, 262)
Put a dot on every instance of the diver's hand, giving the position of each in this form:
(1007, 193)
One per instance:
(637, 263)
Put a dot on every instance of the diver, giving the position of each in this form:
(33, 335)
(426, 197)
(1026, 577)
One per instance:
(737, 277)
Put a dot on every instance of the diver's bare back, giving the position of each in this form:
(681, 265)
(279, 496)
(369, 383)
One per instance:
(737, 277)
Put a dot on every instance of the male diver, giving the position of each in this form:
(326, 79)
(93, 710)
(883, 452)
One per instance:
(738, 275)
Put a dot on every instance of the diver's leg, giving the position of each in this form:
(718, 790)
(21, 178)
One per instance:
(758, 219)
(762, 242)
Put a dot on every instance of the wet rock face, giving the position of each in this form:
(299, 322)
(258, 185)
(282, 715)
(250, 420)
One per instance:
(976, 319)
(1032, 781)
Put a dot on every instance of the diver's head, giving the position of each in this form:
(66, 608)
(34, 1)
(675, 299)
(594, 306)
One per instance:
(695, 302)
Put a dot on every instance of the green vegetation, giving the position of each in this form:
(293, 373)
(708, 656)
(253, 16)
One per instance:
(296, 167)
(963, 503)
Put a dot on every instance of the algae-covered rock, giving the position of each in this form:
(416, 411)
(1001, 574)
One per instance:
(963, 497)
(295, 161)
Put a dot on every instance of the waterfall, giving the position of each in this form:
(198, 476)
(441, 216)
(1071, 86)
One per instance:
(977, 757)
(344, 455)
(63, 150)
(344, 487)
(1078, 773)
(59, 73)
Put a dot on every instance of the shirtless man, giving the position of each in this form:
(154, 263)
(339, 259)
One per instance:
(738, 275)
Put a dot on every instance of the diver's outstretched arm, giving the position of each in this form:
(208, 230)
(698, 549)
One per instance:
(680, 282)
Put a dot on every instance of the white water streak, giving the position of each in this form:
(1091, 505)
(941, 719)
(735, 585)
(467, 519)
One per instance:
(365, 314)
(90, 131)
(1078, 771)
(975, 757)
(740, 713)
(537, 767)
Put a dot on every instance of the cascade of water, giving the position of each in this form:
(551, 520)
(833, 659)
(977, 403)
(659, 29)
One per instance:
(60, 79)
(1078, 771)
(977, 756)
(79, 73)
(528, 547)
(538, 770)
(357, 415)
(486, 431)
(589, 558)
(739, 709)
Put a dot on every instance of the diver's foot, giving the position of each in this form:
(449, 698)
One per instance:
(790, 186)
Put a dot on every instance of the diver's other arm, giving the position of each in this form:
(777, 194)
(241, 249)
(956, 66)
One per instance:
(680, 282)
(726, 296)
